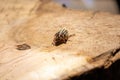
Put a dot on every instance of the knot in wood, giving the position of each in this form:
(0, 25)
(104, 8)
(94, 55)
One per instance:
(23, 47)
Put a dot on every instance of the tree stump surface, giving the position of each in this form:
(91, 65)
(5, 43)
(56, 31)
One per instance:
(27, 30)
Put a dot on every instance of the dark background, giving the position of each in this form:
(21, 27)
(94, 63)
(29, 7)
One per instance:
(118, 3)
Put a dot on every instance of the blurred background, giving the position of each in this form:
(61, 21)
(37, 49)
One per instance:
(112, 6)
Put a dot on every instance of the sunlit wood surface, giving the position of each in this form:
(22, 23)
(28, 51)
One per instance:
(35, 22)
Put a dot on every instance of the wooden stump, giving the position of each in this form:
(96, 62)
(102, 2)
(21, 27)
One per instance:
(27, 30)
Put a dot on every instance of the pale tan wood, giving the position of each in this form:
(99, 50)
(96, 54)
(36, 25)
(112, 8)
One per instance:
(28, 22)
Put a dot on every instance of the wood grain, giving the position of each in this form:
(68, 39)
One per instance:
(95, 34)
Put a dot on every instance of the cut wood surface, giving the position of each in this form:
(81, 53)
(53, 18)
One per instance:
(27, 30)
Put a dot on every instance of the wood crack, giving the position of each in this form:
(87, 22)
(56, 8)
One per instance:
(107, 57)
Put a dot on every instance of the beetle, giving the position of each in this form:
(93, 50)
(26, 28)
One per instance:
(60, 37)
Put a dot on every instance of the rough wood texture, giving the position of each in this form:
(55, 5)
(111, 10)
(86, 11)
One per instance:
(95, 44)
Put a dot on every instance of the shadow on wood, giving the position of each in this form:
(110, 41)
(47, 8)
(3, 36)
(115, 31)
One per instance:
(112, 73)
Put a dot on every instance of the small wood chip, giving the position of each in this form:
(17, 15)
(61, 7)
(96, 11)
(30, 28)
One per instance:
(64, 5)
(23, 47)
